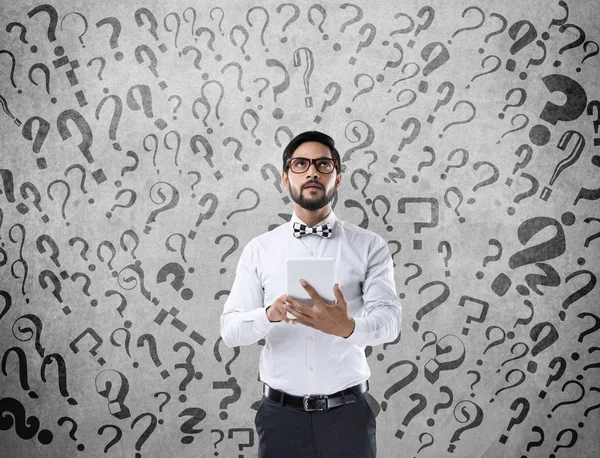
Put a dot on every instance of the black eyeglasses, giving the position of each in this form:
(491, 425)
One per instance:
(301, 164)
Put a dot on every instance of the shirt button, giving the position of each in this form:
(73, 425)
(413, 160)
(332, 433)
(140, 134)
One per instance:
(310, 338)
(311, 253)
(310, 368)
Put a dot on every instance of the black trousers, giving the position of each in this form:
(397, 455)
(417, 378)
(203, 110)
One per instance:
(347, 431)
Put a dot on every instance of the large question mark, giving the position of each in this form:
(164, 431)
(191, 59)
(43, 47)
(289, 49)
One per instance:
(106, 383)
(475, 27)
(114, 36)
(402, 383)
(520, 418)
(575, 104)
(581, 292)
(566, 162)
(252, 207)
(572, 401)
(116, 117)
(156, 190)
(543, 251)
(527, 38)
(446, 358)
(489, 72)
(477, 420)
(462, 121)
(434, 303)
(412, 413)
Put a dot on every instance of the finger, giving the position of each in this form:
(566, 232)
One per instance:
(293, 312)
(289, 309)
(338, 293)
(297, 305)
(310, 290)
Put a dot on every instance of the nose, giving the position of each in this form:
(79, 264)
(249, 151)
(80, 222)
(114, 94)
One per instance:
(312, 167)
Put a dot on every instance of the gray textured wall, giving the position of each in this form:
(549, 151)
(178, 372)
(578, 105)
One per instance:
(137, 161)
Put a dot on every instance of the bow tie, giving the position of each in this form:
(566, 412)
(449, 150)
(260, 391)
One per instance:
(324, 230)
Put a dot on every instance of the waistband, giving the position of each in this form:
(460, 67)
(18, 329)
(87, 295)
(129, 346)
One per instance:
(317, 402)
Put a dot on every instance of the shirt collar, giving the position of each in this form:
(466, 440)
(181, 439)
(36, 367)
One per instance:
(330, 219)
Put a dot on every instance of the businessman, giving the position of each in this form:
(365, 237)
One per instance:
(313, 367)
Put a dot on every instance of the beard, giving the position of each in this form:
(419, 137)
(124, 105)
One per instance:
(312, 204)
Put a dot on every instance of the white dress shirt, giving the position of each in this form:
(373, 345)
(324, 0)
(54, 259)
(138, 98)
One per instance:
(296, 358)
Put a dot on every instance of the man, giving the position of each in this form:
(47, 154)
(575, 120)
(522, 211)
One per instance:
(315, 394)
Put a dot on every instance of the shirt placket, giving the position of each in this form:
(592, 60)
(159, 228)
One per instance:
(310, 242)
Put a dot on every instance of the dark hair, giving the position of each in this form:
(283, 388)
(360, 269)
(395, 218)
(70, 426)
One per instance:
(311, 136)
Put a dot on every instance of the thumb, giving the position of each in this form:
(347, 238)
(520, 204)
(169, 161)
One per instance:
(338, 293)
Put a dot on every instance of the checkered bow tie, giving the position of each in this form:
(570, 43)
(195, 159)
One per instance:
(324, 230)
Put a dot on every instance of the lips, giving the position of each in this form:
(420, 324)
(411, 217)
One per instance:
(312, 187)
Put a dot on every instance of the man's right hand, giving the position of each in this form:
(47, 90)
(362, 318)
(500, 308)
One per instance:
(276, 311)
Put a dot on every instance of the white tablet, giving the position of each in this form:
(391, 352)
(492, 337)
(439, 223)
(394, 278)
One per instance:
(318, 272)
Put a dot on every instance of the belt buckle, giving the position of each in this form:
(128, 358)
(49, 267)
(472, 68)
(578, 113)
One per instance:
(322, 399)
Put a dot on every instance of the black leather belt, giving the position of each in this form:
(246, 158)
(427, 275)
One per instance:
(319, 401)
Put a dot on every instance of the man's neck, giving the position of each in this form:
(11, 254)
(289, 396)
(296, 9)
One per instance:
(311, 218)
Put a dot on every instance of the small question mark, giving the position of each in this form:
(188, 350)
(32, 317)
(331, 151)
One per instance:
(72, 431)
(445, 246)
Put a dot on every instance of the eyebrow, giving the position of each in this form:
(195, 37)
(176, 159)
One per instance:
(322, 157)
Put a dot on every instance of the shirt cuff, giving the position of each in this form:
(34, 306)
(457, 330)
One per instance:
(261, 319)
(360, 330)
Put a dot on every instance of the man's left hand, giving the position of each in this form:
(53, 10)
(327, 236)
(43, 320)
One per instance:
(328, 318)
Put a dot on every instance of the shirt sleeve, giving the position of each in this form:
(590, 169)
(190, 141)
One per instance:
(244, 319)
(382, 319)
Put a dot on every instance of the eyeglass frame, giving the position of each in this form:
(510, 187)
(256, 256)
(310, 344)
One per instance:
(311, 162)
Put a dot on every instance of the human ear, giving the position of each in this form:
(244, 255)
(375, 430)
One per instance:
(284, 179)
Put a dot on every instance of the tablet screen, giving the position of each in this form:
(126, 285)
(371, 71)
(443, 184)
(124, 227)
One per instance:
(318, 272)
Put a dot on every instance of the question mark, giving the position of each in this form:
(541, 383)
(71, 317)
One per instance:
(114, 36)
(527, 38)
(520, 418)
(309, 61)
(518, 104)
(566, 162)
(474, 424)
(231, 250)
(462, 163)
(528, 150)
(574, 106)
(157, 190)
(487, 259)
(475, 27)
(489, 72)
(46, 71)
(443, 360)
(400, 384)
(153, 24)
(447, 256)
(72, 431)
(105, 382)
(116, 117)
(412, 413)
(293, 18)
(573, 401)
(462, 121)
(147, 432)
(244, 209)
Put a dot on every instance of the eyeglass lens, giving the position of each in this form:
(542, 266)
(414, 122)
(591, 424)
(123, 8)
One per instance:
(300, 165)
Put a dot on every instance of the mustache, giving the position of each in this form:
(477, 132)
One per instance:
(312, 183)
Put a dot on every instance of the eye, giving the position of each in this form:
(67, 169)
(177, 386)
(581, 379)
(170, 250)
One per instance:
(324, 163)
(300, 162)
